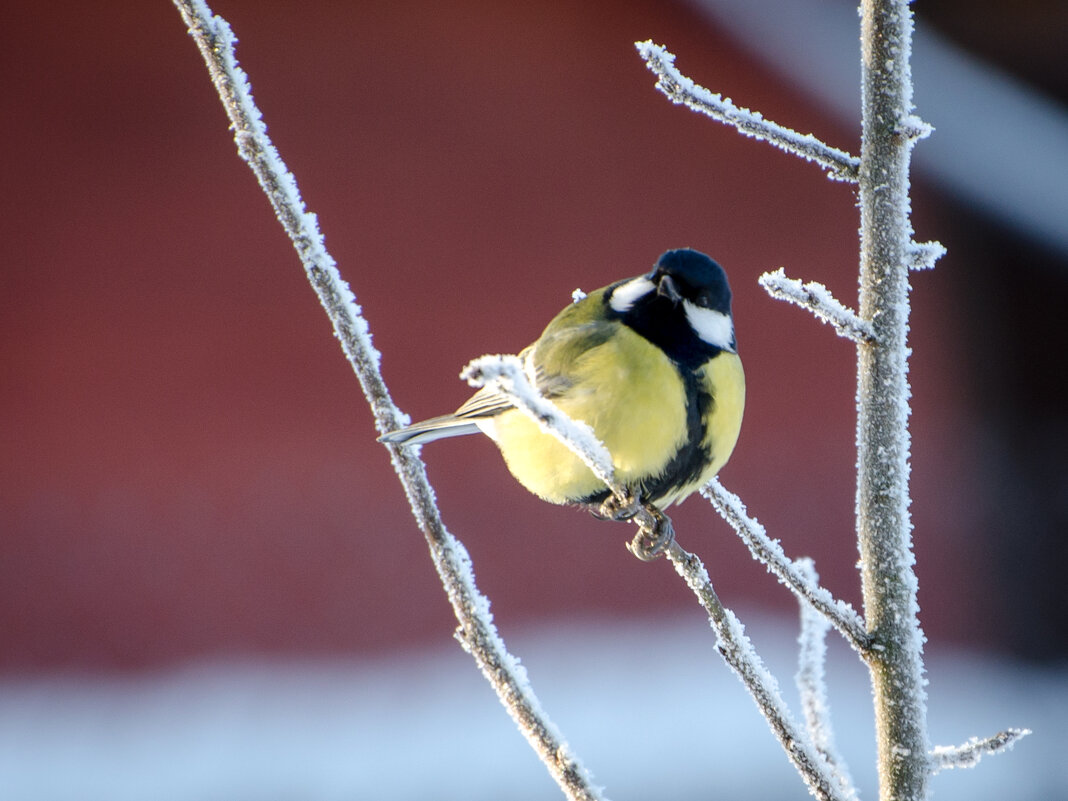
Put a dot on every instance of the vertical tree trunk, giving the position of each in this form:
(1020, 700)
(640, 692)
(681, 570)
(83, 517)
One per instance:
(883, 522)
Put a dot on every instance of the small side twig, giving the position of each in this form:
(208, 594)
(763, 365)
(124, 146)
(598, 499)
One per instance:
(947, 757)
(817, 299)
(923, 255)
(680, 89)
(812, 682)
(476, 631)
(768, 551)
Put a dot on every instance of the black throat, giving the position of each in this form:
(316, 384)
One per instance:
(660, 321)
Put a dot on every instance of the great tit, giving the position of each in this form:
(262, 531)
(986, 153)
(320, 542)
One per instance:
(650, 363)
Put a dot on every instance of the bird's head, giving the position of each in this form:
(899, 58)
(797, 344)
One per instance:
(685, 289)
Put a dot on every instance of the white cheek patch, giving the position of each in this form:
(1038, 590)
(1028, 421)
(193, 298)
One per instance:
(715, 328)
(626, 294)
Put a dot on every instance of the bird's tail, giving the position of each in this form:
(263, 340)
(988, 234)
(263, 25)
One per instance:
(448, 425)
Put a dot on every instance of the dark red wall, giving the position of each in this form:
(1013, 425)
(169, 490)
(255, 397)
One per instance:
(187, 466)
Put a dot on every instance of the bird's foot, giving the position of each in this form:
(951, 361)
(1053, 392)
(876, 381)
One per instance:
(613, 508)
(652, 540)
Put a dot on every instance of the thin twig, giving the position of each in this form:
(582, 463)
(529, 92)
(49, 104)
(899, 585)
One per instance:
(680, 89)
(812, 680)
(476, 630)
(923, 255)
(947, 757)
(768, 551)
(736, 650)
(817, 299)
(508, 375)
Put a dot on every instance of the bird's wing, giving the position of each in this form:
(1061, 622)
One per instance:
(484, 403)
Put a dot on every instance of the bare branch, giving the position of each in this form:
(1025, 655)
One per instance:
(947, 757)
(817, 299)
(736, 650)
(680, 89)
(812, 683)
(476, 630)
(768, 551)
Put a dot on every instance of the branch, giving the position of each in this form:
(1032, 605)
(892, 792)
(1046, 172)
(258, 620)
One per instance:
(507, 375)
(923, 255)
(680, 89)
(947, 757)
(884, 525)
(769, 552)
(476, 631)
(817, 299)
(822, 778)
(812, 681)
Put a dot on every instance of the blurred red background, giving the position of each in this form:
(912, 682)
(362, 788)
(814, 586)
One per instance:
(188, 467)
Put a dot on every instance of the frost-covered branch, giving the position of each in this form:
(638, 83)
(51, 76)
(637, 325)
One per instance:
(680, 89)
(923, 255)
(817, 299)
(476, 630)
(822, 778)
(812, 682)
(507, 375)
(768, 551)
(947, 757)
(884, 526)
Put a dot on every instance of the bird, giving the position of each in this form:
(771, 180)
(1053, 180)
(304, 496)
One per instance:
(650, 363)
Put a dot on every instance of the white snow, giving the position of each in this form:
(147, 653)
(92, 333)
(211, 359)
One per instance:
(648, 705)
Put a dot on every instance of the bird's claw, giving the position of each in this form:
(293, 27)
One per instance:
(613, 508)
(649, 543)
(653, 537)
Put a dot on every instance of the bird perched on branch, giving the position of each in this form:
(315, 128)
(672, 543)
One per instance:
(650, 363)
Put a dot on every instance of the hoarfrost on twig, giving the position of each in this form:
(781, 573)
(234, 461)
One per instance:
(812, 680)
(768, 551)
(822, 778)
(680, 89)
(947, 757)
(508, 375)
(476, 630)
(923, 255)
(817, 299)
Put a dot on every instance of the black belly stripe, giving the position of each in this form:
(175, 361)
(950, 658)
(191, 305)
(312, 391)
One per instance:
(661, 322)
(690, 460)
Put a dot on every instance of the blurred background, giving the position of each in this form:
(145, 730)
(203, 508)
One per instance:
(210, 582)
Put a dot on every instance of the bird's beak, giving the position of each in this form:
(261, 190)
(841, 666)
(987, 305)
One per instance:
(666, 288)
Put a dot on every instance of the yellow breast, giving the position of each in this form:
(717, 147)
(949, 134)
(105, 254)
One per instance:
(633, 397)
